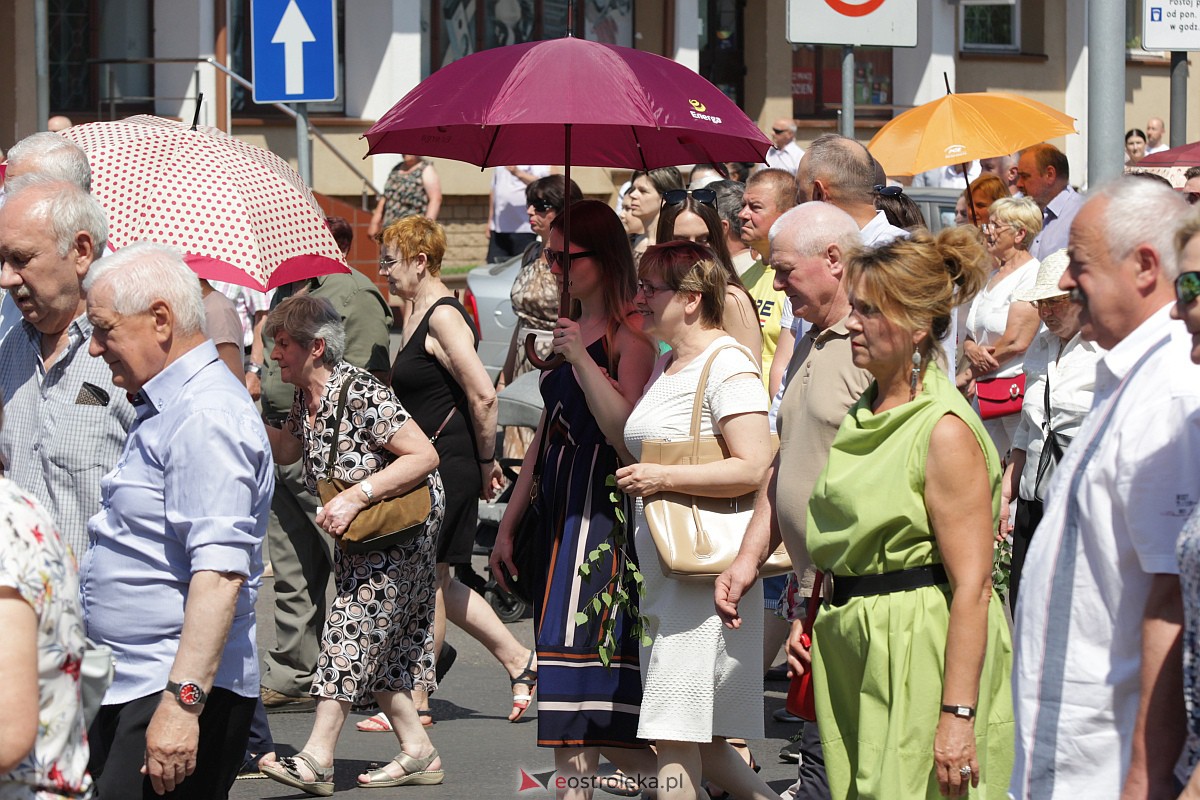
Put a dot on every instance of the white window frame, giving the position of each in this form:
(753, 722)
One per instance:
(1013, 47)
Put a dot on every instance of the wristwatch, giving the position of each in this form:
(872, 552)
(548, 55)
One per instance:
(254, 369)
(962, 712)
(368, 490)
(188, 693)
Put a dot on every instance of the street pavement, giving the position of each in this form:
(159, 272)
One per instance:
(481, 751)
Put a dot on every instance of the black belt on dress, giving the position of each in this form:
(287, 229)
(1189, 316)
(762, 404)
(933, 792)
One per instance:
(837, 589)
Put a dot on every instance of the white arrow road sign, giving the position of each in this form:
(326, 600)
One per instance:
(293, 32)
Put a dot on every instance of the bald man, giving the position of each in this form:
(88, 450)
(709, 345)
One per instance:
(1155, 128)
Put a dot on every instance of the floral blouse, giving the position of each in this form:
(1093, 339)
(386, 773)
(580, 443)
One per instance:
(372, 417)
(1188, 550)
(35, 561)
(404, 193)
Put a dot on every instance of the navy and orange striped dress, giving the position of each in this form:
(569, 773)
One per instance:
(581, 702)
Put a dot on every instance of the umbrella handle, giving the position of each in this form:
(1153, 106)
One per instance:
(555, 360)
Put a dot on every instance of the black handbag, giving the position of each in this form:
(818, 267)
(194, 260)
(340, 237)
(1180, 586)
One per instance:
(525, 553)
(1053, 447)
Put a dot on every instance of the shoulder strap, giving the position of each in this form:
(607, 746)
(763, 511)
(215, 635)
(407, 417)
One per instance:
(337, 425)
(698, 403)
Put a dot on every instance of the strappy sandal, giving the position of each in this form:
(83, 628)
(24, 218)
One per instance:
(379, 723)
(416, 773)
(287, 771)
(528, 677)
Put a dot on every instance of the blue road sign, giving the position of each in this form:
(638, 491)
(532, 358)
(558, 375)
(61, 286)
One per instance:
(294, 50)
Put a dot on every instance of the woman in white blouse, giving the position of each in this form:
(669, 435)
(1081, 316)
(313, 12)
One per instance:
(998, 329)
(1060, 370)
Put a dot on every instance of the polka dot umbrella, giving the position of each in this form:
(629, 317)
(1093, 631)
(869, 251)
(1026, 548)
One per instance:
(240, 213)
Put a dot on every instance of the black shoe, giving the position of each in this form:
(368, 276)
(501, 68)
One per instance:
(249, 770)
(445, 661)
(791, 751)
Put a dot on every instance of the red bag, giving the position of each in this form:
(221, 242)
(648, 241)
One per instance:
(1000, 397)
(800, 701)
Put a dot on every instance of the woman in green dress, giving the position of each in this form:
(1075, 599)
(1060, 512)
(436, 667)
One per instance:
(911, 652)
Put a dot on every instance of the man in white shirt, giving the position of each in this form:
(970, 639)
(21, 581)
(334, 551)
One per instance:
(784, 154)
(1097, 673)
(1155, 128)
(948, 177)
(508, 224)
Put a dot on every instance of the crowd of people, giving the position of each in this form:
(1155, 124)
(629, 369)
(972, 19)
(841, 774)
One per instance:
(926, 422)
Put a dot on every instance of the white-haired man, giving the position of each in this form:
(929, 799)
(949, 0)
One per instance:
(1097, 673)
(173, 572)
(784, 154)
(64, 420)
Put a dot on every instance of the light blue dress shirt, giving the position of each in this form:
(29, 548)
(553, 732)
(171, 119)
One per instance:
(1057, 217)
(190, 492)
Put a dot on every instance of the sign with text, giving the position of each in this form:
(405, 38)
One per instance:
(1171, 25)
(888, 23)
(294, 50)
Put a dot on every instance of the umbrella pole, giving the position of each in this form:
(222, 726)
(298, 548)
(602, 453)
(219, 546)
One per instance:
(970, 202)
(564, 300)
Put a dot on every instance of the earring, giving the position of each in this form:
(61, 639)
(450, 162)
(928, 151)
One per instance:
(916, 374)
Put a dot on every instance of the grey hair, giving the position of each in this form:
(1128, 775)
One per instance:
(50, 154)
(845, 165)
(64, 207)
(1143, 212)
(145, 272)
(306, 318)
(729, 204)
(813, 226)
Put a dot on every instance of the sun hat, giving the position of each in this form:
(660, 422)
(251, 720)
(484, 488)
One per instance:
(1049, 272)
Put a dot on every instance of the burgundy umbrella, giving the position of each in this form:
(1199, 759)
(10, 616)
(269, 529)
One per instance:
(1170, 164)
(568, 101)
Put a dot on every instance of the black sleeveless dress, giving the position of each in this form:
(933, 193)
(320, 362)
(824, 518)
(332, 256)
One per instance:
(428, 391)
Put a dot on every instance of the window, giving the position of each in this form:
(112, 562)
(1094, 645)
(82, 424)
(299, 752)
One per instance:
(817, 81)
(722, 57)
(82, 30)
(462, 27)
(989, 25)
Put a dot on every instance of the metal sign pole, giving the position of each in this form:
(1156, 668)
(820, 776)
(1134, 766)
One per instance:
(303, 144)
(1179, 79)
(848, 91)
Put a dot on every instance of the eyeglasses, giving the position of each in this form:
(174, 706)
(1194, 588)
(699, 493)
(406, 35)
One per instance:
(1187, 287)
(1051, 303)
(555, 257)
(706, 197)
(889, 191)
(386, 264)
(649, 289)
(541, 206)
(994, 228)
(779, 131)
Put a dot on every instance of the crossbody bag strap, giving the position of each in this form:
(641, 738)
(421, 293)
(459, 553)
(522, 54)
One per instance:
(1046, 402)
(337, 425)
(442, 427)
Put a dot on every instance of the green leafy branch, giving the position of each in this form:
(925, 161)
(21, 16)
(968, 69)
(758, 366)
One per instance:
(621, 594)
(1002, 565)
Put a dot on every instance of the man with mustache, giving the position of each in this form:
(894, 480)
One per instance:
(64, 420)
(1098, 671)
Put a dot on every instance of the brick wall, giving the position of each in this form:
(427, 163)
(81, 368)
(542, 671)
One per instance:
(465, 219)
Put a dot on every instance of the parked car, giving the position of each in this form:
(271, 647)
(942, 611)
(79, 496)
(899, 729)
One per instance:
(487, 299)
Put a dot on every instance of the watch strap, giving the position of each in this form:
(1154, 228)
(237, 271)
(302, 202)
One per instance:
(963, 712)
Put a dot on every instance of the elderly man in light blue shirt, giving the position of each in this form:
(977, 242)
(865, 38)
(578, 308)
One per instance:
(175, 558)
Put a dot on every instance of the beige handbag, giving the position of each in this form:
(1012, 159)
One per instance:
(697, 538)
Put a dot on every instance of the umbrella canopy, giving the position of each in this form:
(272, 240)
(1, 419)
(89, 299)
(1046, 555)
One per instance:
(240, 213)
(626, 108)
(1170, 164)
(960, 128)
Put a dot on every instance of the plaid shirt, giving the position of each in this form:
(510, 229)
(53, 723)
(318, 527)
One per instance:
(63, 429)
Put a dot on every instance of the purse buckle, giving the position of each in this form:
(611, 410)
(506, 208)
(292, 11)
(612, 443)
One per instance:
(1014, 391)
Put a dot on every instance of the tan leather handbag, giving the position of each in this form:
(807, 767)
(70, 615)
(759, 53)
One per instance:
(696, 537)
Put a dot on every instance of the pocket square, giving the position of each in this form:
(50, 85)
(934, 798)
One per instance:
(91, 395)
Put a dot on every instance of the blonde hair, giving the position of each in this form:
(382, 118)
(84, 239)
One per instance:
(690, 267)
(1187, 231)
(917, 282)
(415, 235)
(1021, 213)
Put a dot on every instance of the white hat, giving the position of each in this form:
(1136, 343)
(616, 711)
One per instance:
(1049, 272)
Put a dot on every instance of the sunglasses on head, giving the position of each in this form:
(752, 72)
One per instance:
(541, 206)
(706, 197)
(1187, 287)
(889, 191)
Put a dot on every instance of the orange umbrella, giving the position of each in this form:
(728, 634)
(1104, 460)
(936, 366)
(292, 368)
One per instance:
(960, 128)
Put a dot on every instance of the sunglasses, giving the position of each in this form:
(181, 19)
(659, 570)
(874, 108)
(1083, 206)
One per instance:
(889, 191)
(779, 131)
(707, 197)
(1192, 197)
(1051, 303)
(541, 206)
(555, 257)
(1187, 287)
